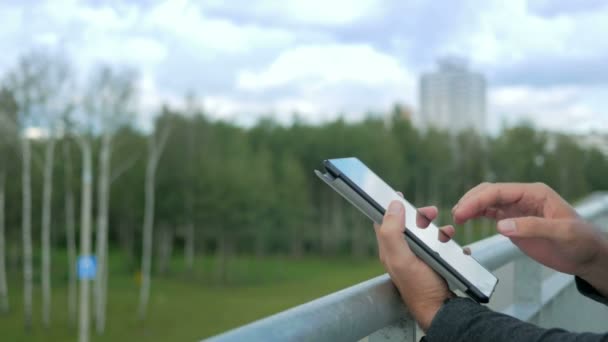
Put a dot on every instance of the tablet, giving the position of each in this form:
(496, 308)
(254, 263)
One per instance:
(352, 179)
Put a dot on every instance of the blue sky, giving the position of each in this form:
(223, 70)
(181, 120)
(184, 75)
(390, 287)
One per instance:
(546, 61)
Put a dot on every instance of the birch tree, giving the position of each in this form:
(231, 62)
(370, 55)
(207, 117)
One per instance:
(156, 145)
(46, 231)
(109, 101)
(192, 110)
(55, 89)
(25, 81)
(26, 227)
(3, 284)
(85, 234)
(8, 131)
(70, 230)
(55, 80)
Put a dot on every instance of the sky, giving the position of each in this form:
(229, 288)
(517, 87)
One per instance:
(546, 62)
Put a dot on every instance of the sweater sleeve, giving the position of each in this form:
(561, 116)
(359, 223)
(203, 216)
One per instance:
(589, 291)
(462, 319)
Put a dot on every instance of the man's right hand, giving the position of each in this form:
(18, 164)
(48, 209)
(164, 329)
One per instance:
(543, 225)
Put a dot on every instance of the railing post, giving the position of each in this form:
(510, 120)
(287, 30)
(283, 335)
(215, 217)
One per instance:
(527, 287)
(403, 330)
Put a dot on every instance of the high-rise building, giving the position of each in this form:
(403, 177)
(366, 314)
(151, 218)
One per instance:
(452, 98)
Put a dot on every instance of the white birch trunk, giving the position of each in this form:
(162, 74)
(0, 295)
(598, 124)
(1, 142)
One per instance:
(26, 227)
(103, 190)
(148, 226)
(70, 234)
(46, 232)
(85, 238)
(154, 151)
(4, 305)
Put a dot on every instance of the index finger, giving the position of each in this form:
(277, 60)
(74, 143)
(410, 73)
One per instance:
(475, 204)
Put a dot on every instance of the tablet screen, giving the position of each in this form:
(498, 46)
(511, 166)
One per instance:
(381, 193)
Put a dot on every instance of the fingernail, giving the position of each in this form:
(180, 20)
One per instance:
(454, 208)
(395, 208)
(506, 226)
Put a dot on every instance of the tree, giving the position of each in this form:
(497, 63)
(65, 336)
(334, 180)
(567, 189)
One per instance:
(109, 100)
(8, 132)
(85, 234)
(55, 85)
(191, 156)
(156, 145)
(70, 230)
(293, 207)
(126, 203)
(27, 82)
(4, 304)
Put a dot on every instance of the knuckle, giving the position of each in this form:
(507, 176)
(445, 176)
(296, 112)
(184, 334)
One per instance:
(542, 186)
(384, 232)
(387, 235)
(568, 232)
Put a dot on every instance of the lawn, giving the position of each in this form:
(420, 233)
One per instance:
(188, 308)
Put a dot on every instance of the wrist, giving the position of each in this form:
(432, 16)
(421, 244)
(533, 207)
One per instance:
(424, 313)
(596, 272)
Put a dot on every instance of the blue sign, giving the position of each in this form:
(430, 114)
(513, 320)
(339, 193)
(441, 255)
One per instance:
(87, 267)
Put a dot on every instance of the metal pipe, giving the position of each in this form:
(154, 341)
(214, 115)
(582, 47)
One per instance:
(356, 312)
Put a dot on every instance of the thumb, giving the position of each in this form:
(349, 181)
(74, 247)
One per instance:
(533, 227)
(390, 233)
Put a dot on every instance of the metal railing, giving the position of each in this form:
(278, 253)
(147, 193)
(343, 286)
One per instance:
(373, 310)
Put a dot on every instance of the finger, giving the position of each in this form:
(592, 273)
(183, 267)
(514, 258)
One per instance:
(400, 194)
(446, 233)
(469, 193)
(425, 215)
(536, 227)
(466, 251)
(390, 234)
(492, 195)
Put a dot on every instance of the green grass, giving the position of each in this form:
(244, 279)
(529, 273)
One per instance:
(188, 308)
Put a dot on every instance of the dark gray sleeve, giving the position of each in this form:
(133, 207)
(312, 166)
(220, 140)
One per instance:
(589, 291)
(462, 319)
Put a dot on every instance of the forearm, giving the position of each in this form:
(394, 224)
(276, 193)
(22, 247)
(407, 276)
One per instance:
(461, 319)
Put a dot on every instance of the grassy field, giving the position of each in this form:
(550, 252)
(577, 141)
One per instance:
(188, 308)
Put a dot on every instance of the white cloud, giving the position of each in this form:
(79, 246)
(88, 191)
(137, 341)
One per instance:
(556, 108)
(185, 22)
(319, 65)
(316, 12)
(322, 81)
(317, 57)
(508, 33)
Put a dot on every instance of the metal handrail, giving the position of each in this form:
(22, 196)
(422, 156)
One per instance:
(360, 310)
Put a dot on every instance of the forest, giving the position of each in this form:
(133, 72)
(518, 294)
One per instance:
(80, 175)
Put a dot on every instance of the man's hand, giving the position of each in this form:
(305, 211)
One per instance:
(422, 290)
(543, 225)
